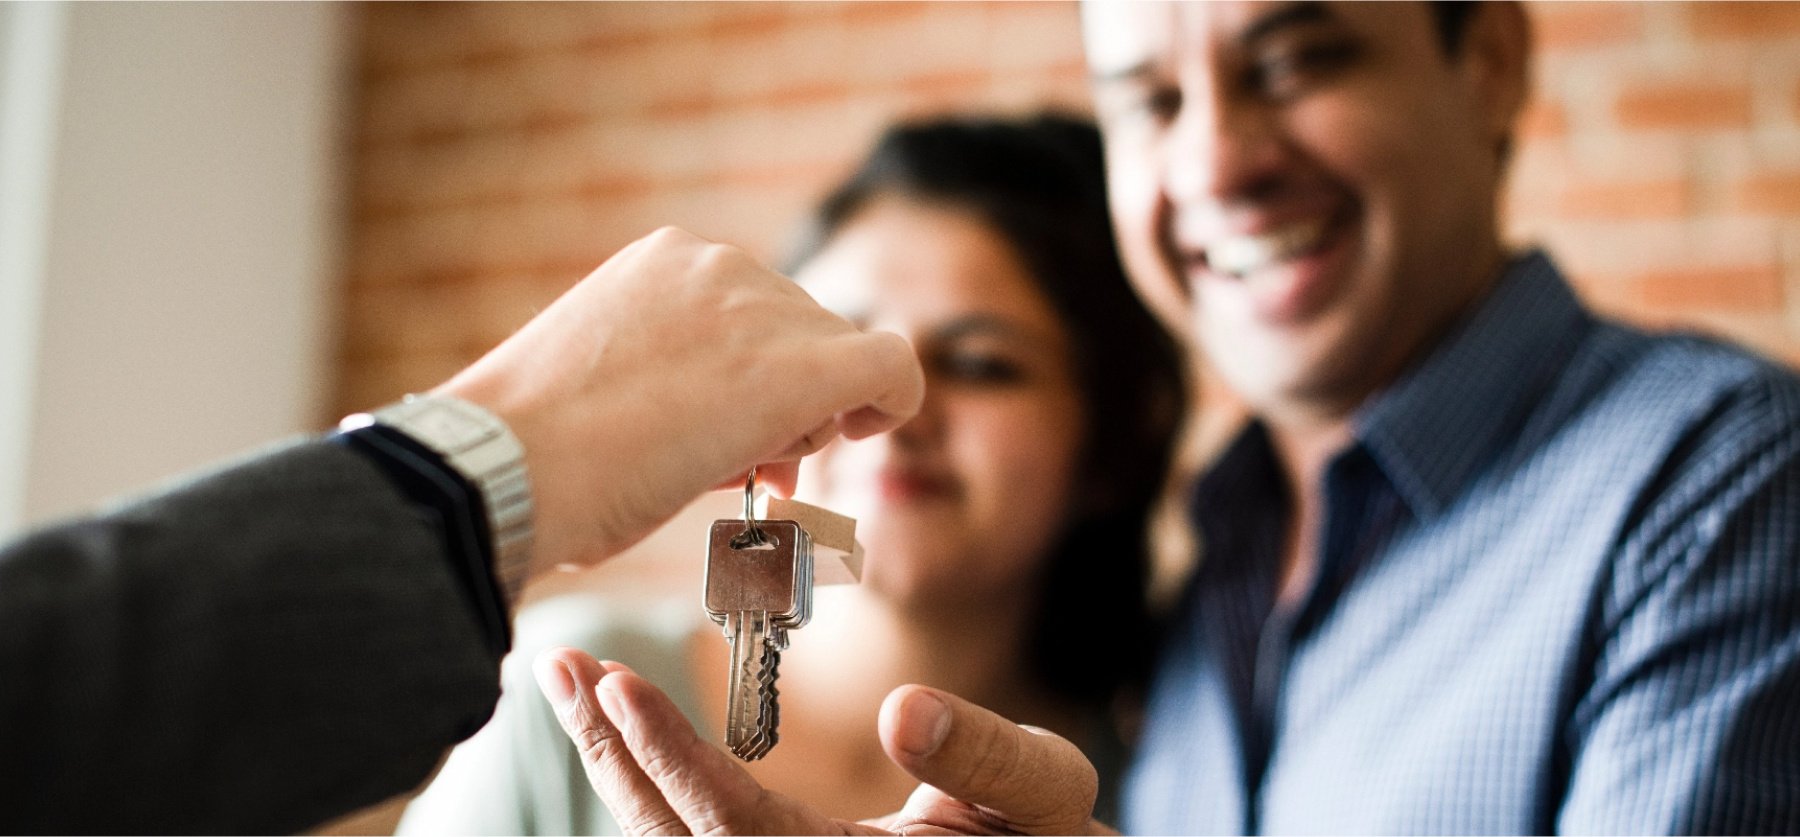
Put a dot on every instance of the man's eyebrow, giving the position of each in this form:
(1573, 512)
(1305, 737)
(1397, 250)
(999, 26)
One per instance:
(1297, 14)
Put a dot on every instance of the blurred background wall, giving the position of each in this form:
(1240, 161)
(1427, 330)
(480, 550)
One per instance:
(170, 178)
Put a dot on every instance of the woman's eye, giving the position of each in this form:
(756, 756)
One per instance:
(1286, 73)
(980, 368)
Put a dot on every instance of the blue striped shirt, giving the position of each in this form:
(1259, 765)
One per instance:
(1558, 590)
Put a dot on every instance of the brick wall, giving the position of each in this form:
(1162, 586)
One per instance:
(1661, 162)
(503, 150)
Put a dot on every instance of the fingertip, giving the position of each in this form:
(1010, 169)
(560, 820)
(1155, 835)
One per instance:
(891, 363)
(904, 399)
(610, 691)
(865, 422)
(780, 478)
(610, 666)
(553, 678)
(914, 722)
(553, 665)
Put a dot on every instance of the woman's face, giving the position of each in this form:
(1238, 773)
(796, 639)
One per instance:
(964, 500)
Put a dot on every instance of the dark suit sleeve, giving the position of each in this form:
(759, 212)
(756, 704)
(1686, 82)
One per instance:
(256, 651)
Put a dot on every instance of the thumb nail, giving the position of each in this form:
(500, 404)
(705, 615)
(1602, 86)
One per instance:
(555, 679)
(924, 723)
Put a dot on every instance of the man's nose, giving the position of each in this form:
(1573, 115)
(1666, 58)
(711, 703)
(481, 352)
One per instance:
(1221, 148)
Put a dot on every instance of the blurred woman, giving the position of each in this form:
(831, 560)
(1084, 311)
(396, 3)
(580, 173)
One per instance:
(1005, 525)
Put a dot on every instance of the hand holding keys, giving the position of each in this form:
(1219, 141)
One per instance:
(759, 583)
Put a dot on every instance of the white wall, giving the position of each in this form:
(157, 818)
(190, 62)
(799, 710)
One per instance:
(189, 245)
(31, 37)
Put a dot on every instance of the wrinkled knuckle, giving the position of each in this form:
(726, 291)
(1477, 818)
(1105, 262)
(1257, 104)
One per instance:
(728, 816)
(713, 822)
(595, 745)
(657, 764)
(649, 819)
(719, 258)
(669, 234)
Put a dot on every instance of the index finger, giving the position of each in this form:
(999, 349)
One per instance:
(1033, 780)
(877, 381)
(708, 791)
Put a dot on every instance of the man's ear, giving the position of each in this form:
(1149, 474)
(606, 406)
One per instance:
(1497, 58)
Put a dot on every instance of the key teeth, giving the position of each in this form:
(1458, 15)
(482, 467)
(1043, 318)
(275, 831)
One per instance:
(769, 718)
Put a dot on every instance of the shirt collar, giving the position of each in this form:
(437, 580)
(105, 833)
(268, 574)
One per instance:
(1443, 420)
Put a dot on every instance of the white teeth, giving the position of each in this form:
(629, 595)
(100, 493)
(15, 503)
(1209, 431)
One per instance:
(1242, 255)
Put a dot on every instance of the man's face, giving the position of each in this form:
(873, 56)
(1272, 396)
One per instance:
(1306, 191)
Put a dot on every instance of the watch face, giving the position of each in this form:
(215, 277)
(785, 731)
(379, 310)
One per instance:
(447, 426)
(444, 428)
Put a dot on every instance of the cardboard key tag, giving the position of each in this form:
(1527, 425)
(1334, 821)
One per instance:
(837, 557)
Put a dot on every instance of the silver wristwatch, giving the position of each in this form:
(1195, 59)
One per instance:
(485, 452)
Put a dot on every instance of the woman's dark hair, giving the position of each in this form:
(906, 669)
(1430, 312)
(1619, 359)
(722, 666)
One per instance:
(1040, 183)
(1451, 18)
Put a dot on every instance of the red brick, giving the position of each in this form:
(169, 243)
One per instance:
(682, 108)
(1649, 199)
(1738, 288)
(879, 12)
(1775, 193)
(948, 83)
(1565, 26)
(1684, 106)
(764, 23)
(1733, 20)
(802, 94)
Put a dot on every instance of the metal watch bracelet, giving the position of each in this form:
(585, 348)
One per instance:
(480, 447)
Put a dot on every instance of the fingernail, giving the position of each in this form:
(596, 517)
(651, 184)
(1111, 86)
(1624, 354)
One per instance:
(555, 680)
(925, 723)
(610, 703)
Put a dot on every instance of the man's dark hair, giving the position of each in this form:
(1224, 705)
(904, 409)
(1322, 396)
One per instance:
(1040, 184)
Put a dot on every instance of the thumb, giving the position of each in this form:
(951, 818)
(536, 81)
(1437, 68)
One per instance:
(1033, 780)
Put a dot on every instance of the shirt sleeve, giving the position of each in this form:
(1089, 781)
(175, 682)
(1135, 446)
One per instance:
(1691, 723)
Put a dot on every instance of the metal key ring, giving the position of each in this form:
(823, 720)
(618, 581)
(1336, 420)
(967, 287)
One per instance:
(753, 534)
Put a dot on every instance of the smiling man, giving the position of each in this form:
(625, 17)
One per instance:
(1482, 562)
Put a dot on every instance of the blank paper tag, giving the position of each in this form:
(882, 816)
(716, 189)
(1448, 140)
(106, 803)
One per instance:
(837, 557)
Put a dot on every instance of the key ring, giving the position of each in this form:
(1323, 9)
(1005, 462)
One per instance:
(752, 536)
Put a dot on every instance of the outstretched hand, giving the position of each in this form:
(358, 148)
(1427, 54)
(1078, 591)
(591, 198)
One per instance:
(980, 773)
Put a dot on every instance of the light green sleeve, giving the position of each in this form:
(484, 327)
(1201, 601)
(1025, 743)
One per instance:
(520, 774)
